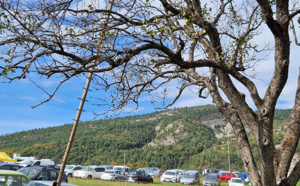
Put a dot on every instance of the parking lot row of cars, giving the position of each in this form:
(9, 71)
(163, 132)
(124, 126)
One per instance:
(213, 177)
(123, 173)
(17, 175)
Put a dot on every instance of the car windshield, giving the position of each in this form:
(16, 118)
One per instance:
(11, 180)
(70, 166)
(210, 177)
(169, 173)
(236, 181)
(87, 169)
(188, 175)
(30, 173)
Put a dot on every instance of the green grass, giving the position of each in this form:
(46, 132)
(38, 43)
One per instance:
(156, 182)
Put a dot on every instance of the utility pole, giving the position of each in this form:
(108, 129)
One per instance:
(228, 156)
(124, 158)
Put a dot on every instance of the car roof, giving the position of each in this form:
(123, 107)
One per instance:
(13, 174)
(12, 164)
(170, 170)
(225, 172)
(214, 174)
(191, 171)
(120, 166)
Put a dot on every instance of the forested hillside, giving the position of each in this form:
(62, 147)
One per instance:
(194, 137)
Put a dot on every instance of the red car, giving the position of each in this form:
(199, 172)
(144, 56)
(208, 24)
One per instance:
(225, 176)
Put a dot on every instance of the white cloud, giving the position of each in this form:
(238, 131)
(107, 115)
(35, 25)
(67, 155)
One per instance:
(28, 98)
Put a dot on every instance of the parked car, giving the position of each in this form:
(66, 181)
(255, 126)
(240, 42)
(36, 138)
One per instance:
(225, 175)
(90, 172)
(41, 173)
(190, 177)
(9, 177)
(179, 171)
(42, 162)
(236, 182)
(107, 167)
(123, 169)
(211, 179)
(152, 173)
(70, 168)
(10, 166)
(155, 169)
(113, 175)
(46, 183)
(170, 176)
(142, 169)
(139, 176)
(28, 163)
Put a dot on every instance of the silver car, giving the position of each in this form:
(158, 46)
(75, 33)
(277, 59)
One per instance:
(211, 179)
(113, 175)
(156, 170)
(190, 177)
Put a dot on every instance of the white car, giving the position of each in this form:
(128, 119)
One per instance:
(70, 168)
(170, 176)
(90, 172)
(236, 182)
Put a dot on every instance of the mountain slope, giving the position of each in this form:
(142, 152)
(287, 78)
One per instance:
(180, 138)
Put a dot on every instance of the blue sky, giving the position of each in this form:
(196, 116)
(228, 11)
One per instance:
(18, 97)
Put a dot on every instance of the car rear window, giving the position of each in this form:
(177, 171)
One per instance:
(169, 173)
(188, 175)
(210, 177)
(237, 181)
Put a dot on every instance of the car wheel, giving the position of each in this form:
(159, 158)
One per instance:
(89, 177)
(70, 175)
(116, 179)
